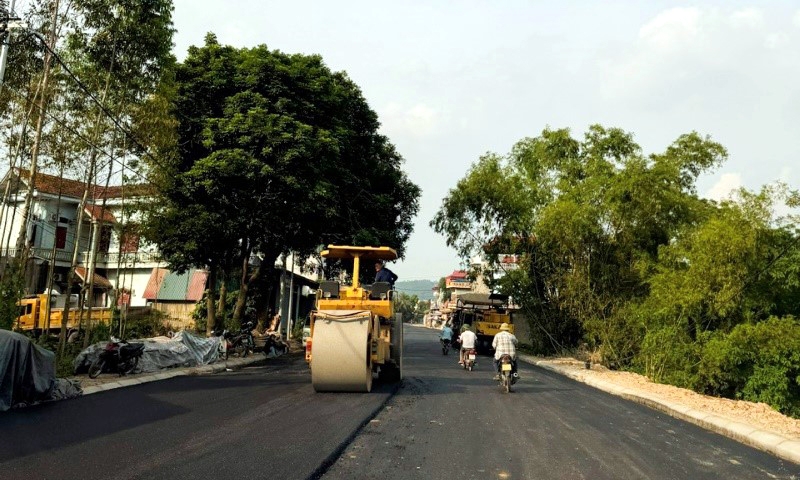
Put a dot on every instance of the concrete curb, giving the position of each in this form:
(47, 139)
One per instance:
(771, 442)
(232, 364)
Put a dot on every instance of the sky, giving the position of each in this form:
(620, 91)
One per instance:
(452, 80)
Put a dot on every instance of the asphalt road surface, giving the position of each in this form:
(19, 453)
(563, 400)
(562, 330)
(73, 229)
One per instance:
(449, 423)
(266, 422)
(262, 422)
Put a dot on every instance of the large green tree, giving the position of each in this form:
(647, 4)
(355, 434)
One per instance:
(585, 215)
(276, 153)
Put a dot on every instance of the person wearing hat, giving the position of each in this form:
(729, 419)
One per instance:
(505, 343)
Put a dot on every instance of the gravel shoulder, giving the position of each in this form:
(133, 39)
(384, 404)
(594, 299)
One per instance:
(759, 415)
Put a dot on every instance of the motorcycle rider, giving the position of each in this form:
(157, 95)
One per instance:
(505, 343)
(447, 334)
(467, 340)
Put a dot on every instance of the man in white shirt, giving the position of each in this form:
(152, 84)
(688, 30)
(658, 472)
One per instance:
(467, 339)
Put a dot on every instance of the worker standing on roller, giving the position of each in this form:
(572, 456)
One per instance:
(383, 274)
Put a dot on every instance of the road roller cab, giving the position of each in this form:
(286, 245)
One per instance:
(354, 332)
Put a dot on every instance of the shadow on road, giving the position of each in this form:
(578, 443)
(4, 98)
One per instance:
(48, 426)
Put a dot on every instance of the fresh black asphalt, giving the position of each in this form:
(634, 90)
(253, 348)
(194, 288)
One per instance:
(449, 423)
(266, 422)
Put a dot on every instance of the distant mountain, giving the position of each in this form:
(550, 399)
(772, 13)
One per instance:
(420, 288)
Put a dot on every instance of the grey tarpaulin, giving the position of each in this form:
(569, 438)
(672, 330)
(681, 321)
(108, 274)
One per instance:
(185, 349)
(27, 373)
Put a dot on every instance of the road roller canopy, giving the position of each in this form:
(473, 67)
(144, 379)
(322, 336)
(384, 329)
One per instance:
(482, 299)
(367, 253)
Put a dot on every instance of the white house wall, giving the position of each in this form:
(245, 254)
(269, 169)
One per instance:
(135, 280)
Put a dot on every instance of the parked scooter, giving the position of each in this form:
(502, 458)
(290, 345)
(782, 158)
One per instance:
(117, 356)
(470, 355)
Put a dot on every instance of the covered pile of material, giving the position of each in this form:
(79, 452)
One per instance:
(28, 375)
(185, 349)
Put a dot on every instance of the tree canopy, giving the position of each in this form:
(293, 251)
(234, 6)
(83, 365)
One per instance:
(275, 153)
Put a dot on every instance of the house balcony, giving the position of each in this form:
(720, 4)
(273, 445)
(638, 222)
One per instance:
(104, 260)
(124, 259)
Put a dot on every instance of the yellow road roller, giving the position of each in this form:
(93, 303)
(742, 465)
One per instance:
(354, 332)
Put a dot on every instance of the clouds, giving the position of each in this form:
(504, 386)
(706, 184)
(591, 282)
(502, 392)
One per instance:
(695, 48)
(419, 120)
(727, 184)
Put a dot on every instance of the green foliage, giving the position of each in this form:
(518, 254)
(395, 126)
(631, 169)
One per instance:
(200, 313)
(11, 290)
(758, 362)
(617, 250)
(275, 154)
(410, 306)
(151, 324)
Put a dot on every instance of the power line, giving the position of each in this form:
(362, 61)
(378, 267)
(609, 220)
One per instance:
(92, 95)
(81, 136)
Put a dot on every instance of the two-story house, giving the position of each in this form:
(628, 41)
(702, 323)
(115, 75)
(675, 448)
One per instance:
(107, 246)
(110, 247)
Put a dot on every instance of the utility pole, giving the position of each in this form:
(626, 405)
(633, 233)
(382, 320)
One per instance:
(291, 295)
(4, 51)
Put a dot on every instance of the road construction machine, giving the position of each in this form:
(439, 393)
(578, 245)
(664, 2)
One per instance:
(483, 313)
(355, 334)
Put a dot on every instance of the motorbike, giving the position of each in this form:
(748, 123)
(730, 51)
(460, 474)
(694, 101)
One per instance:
(117, 356)
(470, 355)
(507, 374)
(445, 345)
(240, 343)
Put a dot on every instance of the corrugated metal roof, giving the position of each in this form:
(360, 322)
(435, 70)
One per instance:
(154, 284)
(169, 286)
(197, 286)
(175, 286)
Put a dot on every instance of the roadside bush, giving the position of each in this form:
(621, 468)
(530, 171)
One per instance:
(757, 362)
(150, 324)
(669, 355)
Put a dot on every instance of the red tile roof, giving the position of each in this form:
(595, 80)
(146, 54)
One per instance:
(99, 280)
(74, 188)
(94, 211)
(458, 274)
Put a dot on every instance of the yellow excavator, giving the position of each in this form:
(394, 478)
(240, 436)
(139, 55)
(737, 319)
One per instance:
(355, 334)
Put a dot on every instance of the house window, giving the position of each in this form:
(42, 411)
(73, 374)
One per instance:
(105, 239)
(61, 237)
(129, 242)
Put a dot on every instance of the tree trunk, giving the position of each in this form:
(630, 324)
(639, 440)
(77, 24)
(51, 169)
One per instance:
(241, 299)
(211, 318)
(51, 268)
(223, 293)
(43, 100)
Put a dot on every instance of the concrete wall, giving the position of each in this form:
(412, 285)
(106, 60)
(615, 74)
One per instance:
(522, 328)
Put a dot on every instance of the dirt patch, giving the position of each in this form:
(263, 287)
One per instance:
(759, 415)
